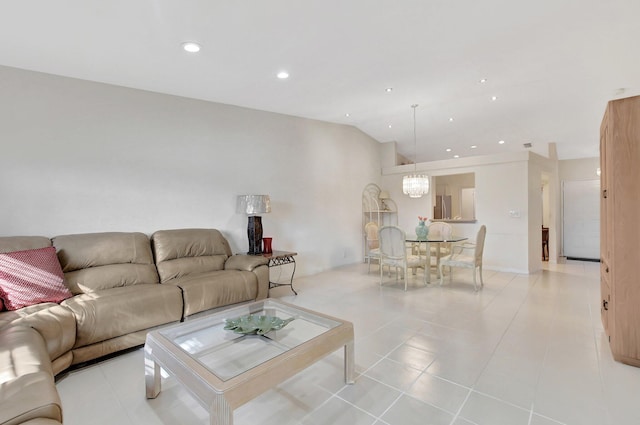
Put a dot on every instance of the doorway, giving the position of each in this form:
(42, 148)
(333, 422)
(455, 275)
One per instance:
(546, 216)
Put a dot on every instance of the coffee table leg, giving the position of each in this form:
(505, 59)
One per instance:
(349, 363)
(221, 412)
(151, 376)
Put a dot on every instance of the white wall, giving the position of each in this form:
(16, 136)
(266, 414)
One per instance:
(500, 189)
(578, 169)
(545, 203)
(534, 186)
(81, 157)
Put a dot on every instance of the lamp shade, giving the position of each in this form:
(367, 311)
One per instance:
(253, 204)
(415, 185)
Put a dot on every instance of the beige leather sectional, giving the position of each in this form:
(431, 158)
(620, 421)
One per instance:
(123, 285)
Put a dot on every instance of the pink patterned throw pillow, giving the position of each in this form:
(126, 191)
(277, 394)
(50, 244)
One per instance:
(31, 277)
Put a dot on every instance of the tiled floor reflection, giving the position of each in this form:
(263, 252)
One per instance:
(527, 349)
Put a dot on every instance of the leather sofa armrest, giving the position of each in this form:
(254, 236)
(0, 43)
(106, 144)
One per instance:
(30, 397)
(245, 262)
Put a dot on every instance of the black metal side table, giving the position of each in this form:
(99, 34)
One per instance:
(280, 258)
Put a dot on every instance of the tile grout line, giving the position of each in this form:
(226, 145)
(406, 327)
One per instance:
(115, 393)
(402, 392)
(472, 390)
(546, 355)
(599, 357)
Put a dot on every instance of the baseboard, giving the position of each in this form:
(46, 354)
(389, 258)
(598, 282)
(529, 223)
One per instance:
(505, 270)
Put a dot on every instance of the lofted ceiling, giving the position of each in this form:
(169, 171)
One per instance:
(552, 64)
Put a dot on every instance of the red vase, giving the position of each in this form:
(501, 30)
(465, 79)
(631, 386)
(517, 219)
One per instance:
(266, 242)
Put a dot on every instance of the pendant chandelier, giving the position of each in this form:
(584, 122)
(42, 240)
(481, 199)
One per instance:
(415, 185)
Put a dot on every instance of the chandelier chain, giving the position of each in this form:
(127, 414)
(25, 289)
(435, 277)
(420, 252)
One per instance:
(415, 139)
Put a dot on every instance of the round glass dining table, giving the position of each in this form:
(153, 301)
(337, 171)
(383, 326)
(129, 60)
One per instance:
(432, 239)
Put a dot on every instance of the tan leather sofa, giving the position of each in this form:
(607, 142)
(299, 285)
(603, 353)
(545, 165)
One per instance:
(123, 285)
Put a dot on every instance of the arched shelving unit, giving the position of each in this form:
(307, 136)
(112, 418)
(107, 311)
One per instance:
(382, 211)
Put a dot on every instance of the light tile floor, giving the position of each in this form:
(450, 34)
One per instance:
(527, 349)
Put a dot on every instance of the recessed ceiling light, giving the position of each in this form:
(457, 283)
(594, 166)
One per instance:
(389, 125)
(448, 149)
(389, 89)
(483, 80)
(191, 47)
(501, 142)
(347, 115)
(451, 119)
(473, 146)
(283, 75)
(494, 97)
(456, 156)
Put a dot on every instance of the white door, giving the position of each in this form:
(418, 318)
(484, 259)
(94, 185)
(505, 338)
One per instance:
(581, 219)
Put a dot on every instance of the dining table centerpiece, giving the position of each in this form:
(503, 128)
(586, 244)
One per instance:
(422, 230)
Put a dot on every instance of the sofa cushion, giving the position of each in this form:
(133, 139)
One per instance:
(27, 388)
(96, 261)
(183, 252)
(22, 352)
(31, 277)
(216, 289)
(109, 276)
(23, 243)
(41, 421)
(56, 325)
(110, 313)
(30, 397)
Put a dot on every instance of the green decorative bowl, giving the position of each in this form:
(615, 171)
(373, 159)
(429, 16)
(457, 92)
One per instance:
(255, 325)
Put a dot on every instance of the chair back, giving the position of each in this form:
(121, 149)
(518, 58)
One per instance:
(392, 242)
(371, 230)
(480, 243)
(441, 229)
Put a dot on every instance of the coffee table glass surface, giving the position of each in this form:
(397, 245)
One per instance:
(228, 354)
(224, 369)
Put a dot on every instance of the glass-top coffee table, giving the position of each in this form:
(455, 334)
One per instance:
(223, 369)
